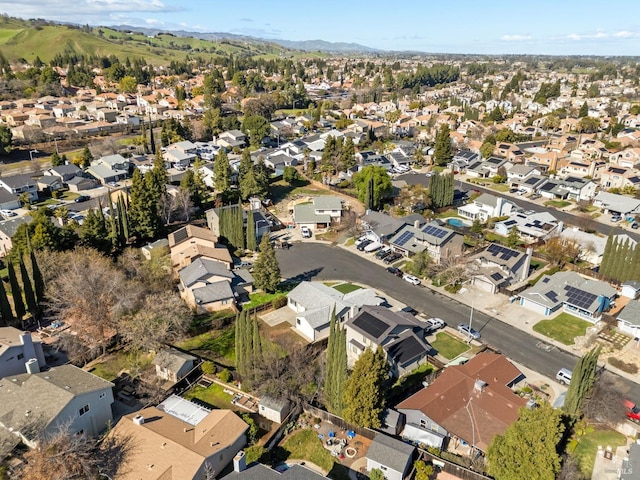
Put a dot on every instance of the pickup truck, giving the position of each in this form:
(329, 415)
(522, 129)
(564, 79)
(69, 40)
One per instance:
(434, 324)
(632, 411)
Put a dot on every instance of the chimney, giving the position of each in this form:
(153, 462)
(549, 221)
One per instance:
(416, 224)
(239, 462)
(527, 264)
(138, 419)
(28, 349)
(32, 366)
(499, 203)
(479, 386)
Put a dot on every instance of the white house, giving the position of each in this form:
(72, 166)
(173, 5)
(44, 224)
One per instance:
(629, 319)
(323, 211)
(617, 204)
(19, 352)
(484, 207)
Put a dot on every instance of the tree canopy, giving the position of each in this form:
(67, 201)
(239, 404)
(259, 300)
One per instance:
(373, 185)
(363, 394)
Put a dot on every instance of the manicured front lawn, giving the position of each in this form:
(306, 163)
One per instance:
(220, 343)
(564, 328)
(586, 449)
(557, 203)
(260, 298)
(500, 187)
(213, 395)
(347, 287)
(448, 346)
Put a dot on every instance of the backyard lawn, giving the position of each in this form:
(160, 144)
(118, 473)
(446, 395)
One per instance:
(306, 445)
(448, 346)
(586, 449)
(213, 395)
(564, 328)
(260, 298)
(216, 344)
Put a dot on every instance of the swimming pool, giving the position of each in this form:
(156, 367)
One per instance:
(456, 222)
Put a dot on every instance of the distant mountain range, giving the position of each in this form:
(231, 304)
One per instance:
(304, 45)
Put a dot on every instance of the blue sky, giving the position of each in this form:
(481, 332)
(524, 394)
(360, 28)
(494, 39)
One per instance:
(559, 27)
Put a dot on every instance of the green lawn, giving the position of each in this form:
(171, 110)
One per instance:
(221, 343)
(563, 328)
(586, 448)
(500, 187)
(347, 287)
(213, 395)
(557, 203)
(448, 346)
(306, 445)
(260, 298)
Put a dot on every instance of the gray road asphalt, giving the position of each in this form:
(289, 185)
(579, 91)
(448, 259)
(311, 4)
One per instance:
(323, 262)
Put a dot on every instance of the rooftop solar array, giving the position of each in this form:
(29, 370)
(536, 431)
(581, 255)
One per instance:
(553, 296)
(404, 238)
(370, 324)
(406, 350)
(503, 252)
(579, 298)
(435, 231)
(496, 276)
(180, 235)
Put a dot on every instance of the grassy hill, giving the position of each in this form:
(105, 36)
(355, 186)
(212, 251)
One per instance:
(23, 39)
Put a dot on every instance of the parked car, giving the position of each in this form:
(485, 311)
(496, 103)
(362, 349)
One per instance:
(634, 225)
(8, 213)
(468, 331)
(632, 411)
(396, 271)
(244, 264)
(306, 233)
(392, 258)
(616, 218)
(411, 279)
(364, 244)
(564, 376)
(522, 191)
(410, 310)
(383, 253)
(82, 198)
(513, 190)
(360, 240)
(434, 324)
(533, 196)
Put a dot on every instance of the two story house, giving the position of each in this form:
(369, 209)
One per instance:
(484, 207)
(440, 242)
(19, 351)
(19, 184)
(320, 213)
(497, 267)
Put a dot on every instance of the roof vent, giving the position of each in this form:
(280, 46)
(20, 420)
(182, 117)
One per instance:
(479, 386)
(138, 419)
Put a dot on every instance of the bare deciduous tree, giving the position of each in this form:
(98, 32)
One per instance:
(605, 404)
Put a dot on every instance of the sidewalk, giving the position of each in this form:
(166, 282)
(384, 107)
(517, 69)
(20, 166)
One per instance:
(499, 307)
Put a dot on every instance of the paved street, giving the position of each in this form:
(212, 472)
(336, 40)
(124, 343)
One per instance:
(324, 262)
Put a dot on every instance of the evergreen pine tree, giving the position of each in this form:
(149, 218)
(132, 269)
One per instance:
(341, 374)
(582, 381)
(619, 259)
(262, 178)
(16, 292)
(266, 271)
(635, 267)
(256, 352)
(330, 364)
(363, 394)
(238, 227)
(443, 148)
(5, 307)
(29, 295)
(251, 232)
(123, 220)
(143, 208)
(238, 340)
(605, 265)
(56, 160)
(38, 280)
(222, 173)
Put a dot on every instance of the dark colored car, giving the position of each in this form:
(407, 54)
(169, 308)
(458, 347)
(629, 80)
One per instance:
(82, 198)
(410, 310)
(383, 253)
(363, 244)
(634, 225)
(396, 271)
(392, 258)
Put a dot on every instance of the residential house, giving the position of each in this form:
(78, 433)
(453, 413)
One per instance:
(320, 213)
(231, 139)
(48, 184)
(381, 226)
(274, 409)
(591, 246)
(519, 173)
(172, 365)
(487, 168)
(65, 172)
(110, 168)
(630, 289)
(8, 229)
(393, 457)
(484, 207)
(616, 177)
(537, 226)
(258, 471)
(576, 295)
(314, 302)
(629, 319)
(36, 403)
(498, 267)
(179, 440)
(19, 184)
(400, 335)
(19, 352)
(77, 184)
(572, 188)
(9, 201)
(440, 242)
(615, 204)
(461, 161)
(545, 161)
(627, 158)
(155, 249)
(468, 404)
(190, 242)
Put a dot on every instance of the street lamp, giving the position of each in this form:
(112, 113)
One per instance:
(31, 152)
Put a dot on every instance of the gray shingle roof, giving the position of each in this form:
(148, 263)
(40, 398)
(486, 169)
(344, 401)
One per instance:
(631, 313)
(213, 292)
(172, 359)
(203, 268)
(260, 472)
(390, 452)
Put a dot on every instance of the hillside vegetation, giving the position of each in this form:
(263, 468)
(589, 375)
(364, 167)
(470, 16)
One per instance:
(28, 39)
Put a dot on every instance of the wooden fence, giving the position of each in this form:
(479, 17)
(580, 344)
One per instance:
(339, 422)
(449, 467)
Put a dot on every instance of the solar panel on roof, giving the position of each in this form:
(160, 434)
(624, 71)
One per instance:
(546, 280)
(496, 276)
(434, 231)
(370, 324)
(579, 298)
(406, 350)
(180, 235)
(553, 296)
(404, 238)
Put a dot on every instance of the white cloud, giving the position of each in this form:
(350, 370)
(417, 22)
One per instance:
(588, 36)
(625, 34)
(79, 10)
(515, 38)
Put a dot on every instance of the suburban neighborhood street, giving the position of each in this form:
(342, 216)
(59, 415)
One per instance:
(316, 261)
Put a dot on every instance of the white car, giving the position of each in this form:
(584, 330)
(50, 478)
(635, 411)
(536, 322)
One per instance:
(306, 233)
(8, 213)
(411, 279)
(434, 324)
(468, 331)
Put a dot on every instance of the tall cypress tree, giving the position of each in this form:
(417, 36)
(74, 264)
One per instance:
(256, 345)
(38, 281)
(238, 227)
(16, 292)
(340, 373)
(582, 381)
(152, 141)
(330, 364)
(605, 265)
(251, 232)
(5, 307)
(29, 295)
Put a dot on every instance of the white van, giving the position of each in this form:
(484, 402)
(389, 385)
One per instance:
(564, 376)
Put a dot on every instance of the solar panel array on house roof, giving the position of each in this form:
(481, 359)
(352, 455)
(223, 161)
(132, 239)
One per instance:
(553, 296)
(180, 235)
(370, 324)
(435, 231)
(579, 298)
(502, 252)
(496, 276)
(404, 238)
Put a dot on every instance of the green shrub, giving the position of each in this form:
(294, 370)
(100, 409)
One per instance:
(225, 376)
(56, 194)
(344, 184)
(208, 368)
(256, 453)
(279, 302)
